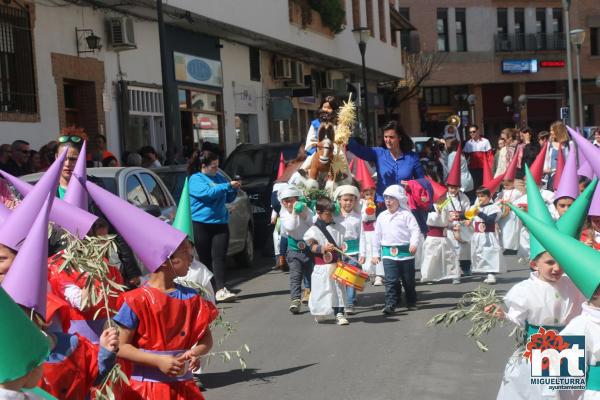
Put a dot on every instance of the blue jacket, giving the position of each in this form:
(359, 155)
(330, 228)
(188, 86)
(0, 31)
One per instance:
(389, 171)
(208, 196)
(316, 123)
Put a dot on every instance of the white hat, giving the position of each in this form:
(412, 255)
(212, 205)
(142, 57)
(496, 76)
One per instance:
(348, 189)
(450, 135)
(399, 193)
(290, 191)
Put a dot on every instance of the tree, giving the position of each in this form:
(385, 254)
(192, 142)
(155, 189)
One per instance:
(419, 67)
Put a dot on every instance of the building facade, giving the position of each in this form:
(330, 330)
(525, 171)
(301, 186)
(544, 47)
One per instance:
(493, 49)
(256, 75)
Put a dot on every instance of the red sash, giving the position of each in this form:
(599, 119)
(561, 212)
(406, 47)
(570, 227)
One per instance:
(436, 231)
(368, 226)
(481, 227)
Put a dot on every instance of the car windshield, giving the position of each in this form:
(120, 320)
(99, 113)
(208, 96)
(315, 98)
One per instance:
(108, 183)
(257, 162)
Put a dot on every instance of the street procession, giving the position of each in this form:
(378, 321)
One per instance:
(202, 204)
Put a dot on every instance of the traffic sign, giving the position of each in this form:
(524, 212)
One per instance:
(564, 115)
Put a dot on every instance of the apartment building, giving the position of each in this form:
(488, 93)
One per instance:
(254, 75)
(493, 49)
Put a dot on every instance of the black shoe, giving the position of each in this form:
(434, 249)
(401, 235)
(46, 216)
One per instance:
(387, 310)
(509, 252)
(199, 383)
(411, 307)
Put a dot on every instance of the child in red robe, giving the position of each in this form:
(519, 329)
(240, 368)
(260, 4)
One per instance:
(164, 329)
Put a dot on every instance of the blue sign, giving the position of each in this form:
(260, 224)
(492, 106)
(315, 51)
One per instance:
(199, 70)
(520, 66)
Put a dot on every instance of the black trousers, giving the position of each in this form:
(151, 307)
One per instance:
(477, 175)
(211, 245)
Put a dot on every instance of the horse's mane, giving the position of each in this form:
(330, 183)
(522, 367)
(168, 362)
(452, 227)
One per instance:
(326, 130)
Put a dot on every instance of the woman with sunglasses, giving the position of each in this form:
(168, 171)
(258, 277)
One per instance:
(72, 137)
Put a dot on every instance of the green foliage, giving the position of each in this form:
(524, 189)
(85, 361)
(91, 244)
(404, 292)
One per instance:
(332, 13)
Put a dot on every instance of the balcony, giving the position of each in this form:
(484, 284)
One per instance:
(505, 43)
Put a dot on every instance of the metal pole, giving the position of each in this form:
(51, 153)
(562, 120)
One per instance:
(362, 46)
(165, 78)
(572, 116)
(579, 94)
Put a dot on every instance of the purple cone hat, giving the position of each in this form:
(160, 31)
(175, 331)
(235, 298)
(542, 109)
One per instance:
(27, 279)
(569, 181)
(76, 194)
(585, 169)
(4, 213)
(17, 225)
(592, 156)
(75, 220)
(152, 240)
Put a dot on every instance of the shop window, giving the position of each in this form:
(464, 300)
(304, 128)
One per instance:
(202, 117)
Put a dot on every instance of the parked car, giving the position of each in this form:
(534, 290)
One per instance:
(241, 222)
(257, 166)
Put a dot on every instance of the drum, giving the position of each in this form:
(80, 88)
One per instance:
(348, 275)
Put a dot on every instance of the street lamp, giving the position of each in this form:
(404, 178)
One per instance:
(362, 36)
(566, 4)
(577, 37)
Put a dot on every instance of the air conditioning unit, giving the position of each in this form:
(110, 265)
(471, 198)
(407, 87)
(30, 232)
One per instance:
(297, 78)
(120, 33)
(282, 69)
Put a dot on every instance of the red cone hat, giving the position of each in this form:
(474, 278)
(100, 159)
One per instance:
(281, 166)
(363, 175)
(439, 190)
(511, 171)
(537, 166)
(487, 170)
(454, 173)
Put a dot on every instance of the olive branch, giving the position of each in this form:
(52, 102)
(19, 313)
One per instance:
(471, 307)
(89, 258)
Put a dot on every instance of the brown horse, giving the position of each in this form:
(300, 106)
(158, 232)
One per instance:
(321, 160)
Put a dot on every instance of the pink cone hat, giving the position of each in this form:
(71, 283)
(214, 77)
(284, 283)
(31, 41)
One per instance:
(4, 213)
(592, 156)
(17, 225)
(569, 181)
(585, 169)
(75, 220)
(153, 240)
(27, 279)
(76, 194)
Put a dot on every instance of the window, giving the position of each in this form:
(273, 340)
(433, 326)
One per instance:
(17, 80)
(370, 24)
(557, 20)
(405, 34)
(461, 29)
(135, 192)
(204, 112)
(502, 26)
(254, 64)
(437, 96)
(540, 28)
(356, 13)
(442, 29)
(382, 31)
(157, 196)
(519, 29)
(595, 41)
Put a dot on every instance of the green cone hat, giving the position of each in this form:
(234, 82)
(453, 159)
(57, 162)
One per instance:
(572, 220)
(40, 393)
(22, 345)
(582, 269)
(183, 218)
(536, 207)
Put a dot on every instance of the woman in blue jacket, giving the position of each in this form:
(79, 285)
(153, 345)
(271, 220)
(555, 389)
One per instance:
(209, 193)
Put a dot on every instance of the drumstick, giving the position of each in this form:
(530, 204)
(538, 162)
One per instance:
(344, 254)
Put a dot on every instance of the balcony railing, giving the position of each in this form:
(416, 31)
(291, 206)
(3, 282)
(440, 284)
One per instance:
(528, 42)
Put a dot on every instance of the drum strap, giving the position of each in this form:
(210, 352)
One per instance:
(323, 228)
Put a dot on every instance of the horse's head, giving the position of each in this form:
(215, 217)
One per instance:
(325, 151)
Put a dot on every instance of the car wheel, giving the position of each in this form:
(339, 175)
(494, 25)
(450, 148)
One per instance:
(246, 256)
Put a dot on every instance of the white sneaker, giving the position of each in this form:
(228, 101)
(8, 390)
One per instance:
(224, 296)
(320, 318)
(378, 281)
(491, 279)
(455, 281)
(341, 320)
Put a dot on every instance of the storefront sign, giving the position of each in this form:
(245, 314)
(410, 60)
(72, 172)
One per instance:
(552, 64)
(199, 70)
(245, 99)
(520, 66)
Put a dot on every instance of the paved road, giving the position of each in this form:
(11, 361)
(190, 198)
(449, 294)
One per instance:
(375, 357)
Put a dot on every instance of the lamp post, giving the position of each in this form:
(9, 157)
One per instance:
(165, 79)
(577, 37)
(362, 36)
(566, 5)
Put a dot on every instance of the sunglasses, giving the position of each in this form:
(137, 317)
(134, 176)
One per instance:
(72, 139)
(472, 131)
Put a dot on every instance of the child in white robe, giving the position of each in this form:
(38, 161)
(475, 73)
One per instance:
(439, 260)
(486, 250)
(510, 225)
(327, 296)
(547, 299)
(459, 232)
